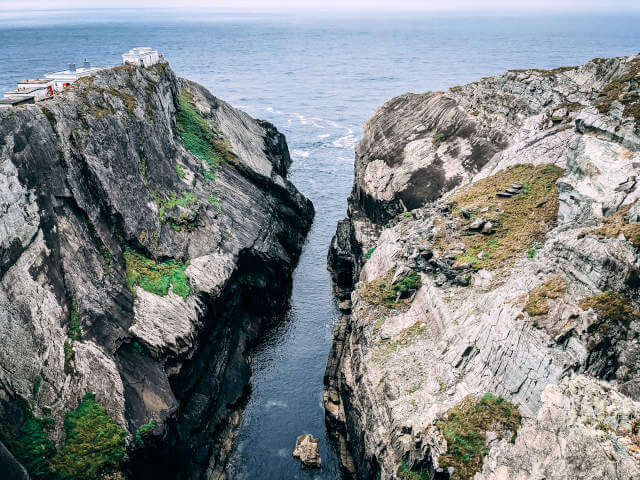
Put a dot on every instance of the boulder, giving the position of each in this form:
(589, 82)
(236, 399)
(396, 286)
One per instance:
(307, 451)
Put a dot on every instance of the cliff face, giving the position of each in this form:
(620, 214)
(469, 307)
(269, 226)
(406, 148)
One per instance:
(490, 260)
(148, 234)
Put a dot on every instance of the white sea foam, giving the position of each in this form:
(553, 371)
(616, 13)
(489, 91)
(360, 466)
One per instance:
(324, 135)
(301, 153)
(348, 141)
(276, 403)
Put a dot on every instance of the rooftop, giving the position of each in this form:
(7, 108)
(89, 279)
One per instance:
(35, 80)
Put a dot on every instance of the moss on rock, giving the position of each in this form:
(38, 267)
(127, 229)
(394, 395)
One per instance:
(156, 277)
(94, 446)
(197, 136)
(611, 307)
(31, 446)
(537, 302)
(385, 292)
(465, 431)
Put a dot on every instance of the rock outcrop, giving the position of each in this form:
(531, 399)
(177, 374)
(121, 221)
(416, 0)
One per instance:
(148, 235)
(307, 451)
(491, 257)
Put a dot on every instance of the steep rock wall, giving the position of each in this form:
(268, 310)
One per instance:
(148, 235)
(491, 247)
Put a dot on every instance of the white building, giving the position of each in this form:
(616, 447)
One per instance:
(44, 83)
(142, 56)
(64, 78)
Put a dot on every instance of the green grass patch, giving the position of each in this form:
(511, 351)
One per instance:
(31, 446)
(383, 291)
(406, 473)
(74, 332)
(518, 222)
(612, 307)
(437, 139)
(180, 171)
(180, 211)
(198, 137)
(415, 388)
(94, 446)
(156, 277)
(36, 385)
(465, 430)
(142, 432)
(216, 203)
(537, 302)
(68, 357)
(370, 252)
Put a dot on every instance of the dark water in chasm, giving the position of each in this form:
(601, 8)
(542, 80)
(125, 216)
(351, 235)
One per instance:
(318, 76)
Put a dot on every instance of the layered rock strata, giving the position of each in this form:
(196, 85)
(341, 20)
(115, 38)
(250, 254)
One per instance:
(148, 235)
(491, 254)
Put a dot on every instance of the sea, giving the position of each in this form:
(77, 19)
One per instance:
(318, 76)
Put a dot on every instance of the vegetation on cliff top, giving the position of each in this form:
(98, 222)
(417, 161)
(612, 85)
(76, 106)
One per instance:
(156, 277)
(465, 431)
(518, 222)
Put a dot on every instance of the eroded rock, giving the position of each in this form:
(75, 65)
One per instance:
(520, 310)
(307, 451)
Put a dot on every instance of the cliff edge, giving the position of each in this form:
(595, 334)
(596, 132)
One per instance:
(148, 235)
(488, 272)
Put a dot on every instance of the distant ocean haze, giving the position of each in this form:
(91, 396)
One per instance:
(318, 77)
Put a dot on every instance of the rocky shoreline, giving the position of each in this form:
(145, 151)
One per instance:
(149, 235)
(490, 263)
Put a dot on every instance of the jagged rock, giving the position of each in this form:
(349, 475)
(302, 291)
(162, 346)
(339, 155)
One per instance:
(307, 451)
(97, 170)
(487, 228)
(477, 224)
(345, 305)
(505, 193)
(516, 330)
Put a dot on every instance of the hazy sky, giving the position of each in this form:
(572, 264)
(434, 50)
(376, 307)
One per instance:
(342, 4)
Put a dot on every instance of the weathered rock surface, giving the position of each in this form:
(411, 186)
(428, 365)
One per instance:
(549, 321)
(307, 451)
(100, 169)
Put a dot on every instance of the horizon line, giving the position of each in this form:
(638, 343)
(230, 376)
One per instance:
(241, 8)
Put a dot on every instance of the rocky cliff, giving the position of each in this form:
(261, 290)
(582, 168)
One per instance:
(148, 235)
(488, 272)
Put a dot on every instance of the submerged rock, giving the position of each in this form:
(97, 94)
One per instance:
(534, 306)
(307, 451)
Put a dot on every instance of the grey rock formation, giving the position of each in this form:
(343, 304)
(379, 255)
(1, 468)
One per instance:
(570, 365)
(97, 170)
(307, 451)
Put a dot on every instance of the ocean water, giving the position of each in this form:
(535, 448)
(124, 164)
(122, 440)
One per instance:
(318, 76)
